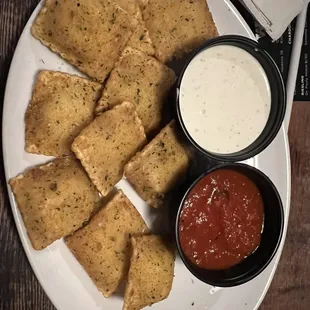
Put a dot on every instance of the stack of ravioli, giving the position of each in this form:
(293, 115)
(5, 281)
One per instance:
(106, 127)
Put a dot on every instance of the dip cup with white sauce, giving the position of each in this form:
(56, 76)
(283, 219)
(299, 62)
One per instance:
(231, 99)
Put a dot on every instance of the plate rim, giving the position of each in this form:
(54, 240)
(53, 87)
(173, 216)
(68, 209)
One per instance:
(287, 204)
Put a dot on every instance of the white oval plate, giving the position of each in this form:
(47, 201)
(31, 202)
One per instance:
(63, 279)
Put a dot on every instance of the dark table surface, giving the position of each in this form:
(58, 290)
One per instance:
(290, 289)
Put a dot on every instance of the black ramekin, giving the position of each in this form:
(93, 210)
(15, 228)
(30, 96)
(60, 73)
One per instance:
(272, 232)
(278, 98)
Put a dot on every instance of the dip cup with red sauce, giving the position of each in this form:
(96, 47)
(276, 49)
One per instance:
(229, 225)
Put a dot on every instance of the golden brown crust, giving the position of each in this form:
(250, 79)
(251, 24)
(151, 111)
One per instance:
(159, 167)
(141, 41)
(90, 34)
(177, 27)
(54, 200)
(151, 272)
(130, 6)
(103, 246)
(60, 107)
(144, 81)
(108, 143)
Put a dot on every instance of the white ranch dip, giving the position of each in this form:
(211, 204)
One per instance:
(225, 99)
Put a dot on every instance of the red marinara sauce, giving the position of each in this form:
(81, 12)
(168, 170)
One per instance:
(222, 220)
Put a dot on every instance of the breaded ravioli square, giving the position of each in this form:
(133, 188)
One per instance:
(177, 27)
(130, 6)
(108, 143)
(103, 246)
(159, 167)
(54, 200)
(151, 272)
(141, 40)
(90, 34)
(61, 106)
(144, 81)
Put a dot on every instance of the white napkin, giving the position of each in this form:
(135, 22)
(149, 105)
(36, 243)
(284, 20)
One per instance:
(275, 15)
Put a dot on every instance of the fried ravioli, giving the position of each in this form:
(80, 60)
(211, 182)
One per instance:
(151, 272)
(54, 200)
(159, 167)
(177, 27)
(103, 246)
(108, 143)
(141, 41)
(61, 106)
(144, 81)
(90, 34)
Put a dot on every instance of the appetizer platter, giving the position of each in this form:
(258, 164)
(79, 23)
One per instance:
(138, 175)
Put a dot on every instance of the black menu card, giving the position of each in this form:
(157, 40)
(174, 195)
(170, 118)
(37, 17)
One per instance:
(281, 51)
